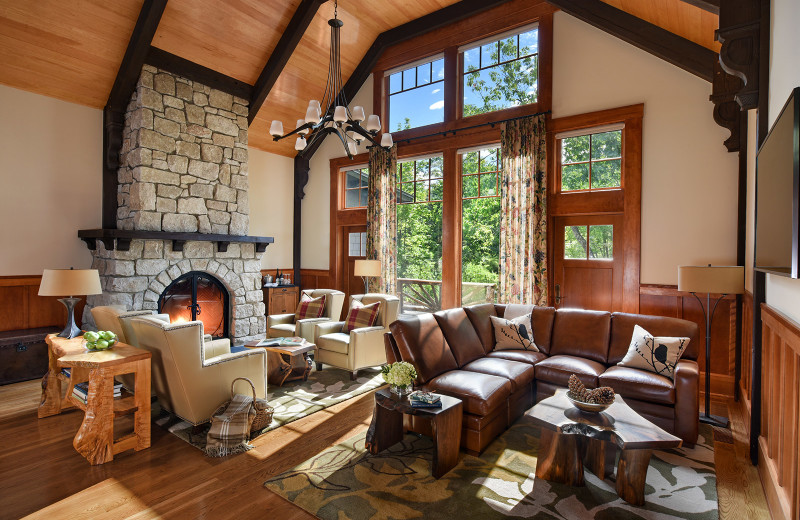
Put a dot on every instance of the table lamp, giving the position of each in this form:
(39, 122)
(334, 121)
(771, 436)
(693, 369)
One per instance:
(709, 279)
(366, 269)
(70, 282)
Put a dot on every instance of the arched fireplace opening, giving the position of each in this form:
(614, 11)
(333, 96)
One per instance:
(198, 296)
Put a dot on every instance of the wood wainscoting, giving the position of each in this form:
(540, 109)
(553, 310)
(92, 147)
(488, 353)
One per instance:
(746, 380)
(778, 446)
(21, 307)
(309, 278)
(666, 300)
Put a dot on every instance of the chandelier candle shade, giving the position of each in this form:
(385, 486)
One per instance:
(722, 280)
(337, 119)
(68, 283)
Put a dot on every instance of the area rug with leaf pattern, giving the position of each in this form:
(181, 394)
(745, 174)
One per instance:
(347, 482)
(293, 401)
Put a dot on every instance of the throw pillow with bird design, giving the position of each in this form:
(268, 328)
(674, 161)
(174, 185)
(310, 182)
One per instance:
(516, 334)
(654, 354)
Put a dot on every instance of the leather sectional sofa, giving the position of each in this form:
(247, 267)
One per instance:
(453, 353)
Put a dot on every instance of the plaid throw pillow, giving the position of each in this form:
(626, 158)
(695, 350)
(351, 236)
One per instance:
(310, 307)
(361, 315)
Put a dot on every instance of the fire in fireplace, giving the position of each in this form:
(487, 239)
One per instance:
(198, 296)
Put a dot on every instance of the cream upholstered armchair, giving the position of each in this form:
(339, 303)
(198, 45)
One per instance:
(362, 347)
(192, 377)
(283, 325)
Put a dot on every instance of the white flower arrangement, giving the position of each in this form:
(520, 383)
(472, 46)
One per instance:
(400, 373)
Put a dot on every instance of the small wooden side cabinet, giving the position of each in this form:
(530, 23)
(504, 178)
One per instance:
(281, 299)
(95, 438)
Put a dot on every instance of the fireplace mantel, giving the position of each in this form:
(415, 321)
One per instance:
(121, 239)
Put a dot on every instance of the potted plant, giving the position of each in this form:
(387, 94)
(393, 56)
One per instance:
(400, 376)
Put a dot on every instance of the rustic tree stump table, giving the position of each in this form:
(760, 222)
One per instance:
(286, 362)
(386, 428)
(95, 438)
(571, 438)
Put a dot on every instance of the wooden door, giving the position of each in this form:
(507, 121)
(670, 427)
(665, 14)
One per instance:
(354, 247)
(588, 262)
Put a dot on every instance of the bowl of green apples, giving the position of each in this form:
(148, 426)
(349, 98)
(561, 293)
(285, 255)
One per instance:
(100, 340)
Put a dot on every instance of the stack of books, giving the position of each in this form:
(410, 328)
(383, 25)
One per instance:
(421, 399)
(81, 390)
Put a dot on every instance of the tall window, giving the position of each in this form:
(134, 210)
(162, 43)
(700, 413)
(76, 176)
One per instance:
(502, 73)
(591, 161)
(480, 226)
(419, 234)
(416, 95)
(355, 187)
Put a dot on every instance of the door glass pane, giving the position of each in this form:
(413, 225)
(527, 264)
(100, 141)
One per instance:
(575, 242)
(601, 242)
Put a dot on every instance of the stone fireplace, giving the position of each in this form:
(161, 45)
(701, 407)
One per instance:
(182, 203)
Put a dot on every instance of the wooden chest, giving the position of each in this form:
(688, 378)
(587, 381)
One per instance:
(281, 300)
(23, 354)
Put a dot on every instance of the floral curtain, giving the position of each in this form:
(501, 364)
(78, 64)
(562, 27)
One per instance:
(382, 217)
(523, 215)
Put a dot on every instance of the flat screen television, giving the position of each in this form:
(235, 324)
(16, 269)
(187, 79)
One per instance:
(777, 238)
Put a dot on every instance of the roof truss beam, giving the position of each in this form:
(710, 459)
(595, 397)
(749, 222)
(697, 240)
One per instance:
(195, 72)
(712, 6)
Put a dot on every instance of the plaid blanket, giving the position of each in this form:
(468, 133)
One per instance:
(230, 427)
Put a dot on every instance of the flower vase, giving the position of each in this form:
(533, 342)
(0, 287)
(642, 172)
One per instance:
(401, 390)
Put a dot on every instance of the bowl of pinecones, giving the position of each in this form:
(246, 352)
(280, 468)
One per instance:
(587, 400)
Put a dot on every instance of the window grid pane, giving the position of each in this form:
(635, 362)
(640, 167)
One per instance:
(416, 96)
(591, 162)
(480, 172)
(355, 188)
(420, 181)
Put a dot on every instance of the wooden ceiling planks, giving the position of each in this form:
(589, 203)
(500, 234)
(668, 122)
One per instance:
(676, 16)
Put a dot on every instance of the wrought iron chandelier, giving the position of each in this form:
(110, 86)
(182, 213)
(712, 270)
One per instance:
(337, 119)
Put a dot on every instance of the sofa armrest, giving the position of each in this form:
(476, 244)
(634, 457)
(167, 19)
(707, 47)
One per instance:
(687, 404)
(366, 346)
(279, 319)
(305, 328)
(251, 363)
(216, 347)
(327, 327)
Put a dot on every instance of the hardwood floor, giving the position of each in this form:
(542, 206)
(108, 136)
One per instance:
(43, 476)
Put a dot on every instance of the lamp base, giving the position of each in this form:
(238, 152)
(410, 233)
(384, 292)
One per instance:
(71, 330)
(714, 420)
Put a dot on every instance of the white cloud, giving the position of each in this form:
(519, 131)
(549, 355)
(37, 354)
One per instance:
(437, 105)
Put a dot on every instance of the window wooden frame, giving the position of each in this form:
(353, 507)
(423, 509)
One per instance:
(559, 165)
(344, 187)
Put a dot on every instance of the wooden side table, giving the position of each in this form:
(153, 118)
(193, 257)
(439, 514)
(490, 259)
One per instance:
(280, 366)
(281, 299)
(95, 438)
(386, 428)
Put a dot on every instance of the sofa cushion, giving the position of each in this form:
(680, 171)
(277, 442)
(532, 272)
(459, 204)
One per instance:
(515, 310)
(639, 384)
(281, 329)
(338, 342)
(541, 321)
(513, 334)
(557, 369)
(309, 307)
(421, 342)
(520, 374)
(460, 335)
(656, 354)
(622, 330)
(360, 316)
(480, 393)
(523, 356)
(581, 333)
(479, 317)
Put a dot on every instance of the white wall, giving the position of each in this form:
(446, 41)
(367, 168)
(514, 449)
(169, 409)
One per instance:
(316, 240)
(50, 170)
(689, 180)
(271, 179)
(784, 75)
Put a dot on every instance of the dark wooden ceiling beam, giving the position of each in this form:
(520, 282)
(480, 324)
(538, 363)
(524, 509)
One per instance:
(659, 42)
(281, 54)
(195, 72)
(712, 6)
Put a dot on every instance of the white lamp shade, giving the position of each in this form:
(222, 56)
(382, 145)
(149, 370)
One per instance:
(312, 115)
(358, 114)
(367, 268)
(70, 282)
(718, 279)
(351, 147)
(300, 143)
(386, 140)
(301, 122)
(276, 128)
(340, 114)
(315, 104)
(373, 123)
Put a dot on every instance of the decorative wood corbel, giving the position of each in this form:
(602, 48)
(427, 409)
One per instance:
(726, 110)
(739, 34)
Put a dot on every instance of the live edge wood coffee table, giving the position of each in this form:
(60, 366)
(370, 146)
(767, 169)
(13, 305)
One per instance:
(95, 438)
(281, 367)
(572, 438)
(386, 428)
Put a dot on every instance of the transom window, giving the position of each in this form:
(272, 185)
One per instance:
(416, 95)
(357, 243)
(420, 180)
(355, 187)
(591, 161)
(599, 246)
(502, 73)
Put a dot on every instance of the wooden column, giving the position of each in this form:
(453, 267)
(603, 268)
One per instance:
(301, 169)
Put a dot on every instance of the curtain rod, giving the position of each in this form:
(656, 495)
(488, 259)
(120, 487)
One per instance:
(455, 131)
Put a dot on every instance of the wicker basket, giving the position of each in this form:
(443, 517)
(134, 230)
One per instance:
(263, 410)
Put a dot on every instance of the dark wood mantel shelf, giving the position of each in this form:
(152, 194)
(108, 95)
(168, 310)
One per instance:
(121, 239)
